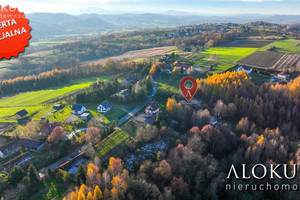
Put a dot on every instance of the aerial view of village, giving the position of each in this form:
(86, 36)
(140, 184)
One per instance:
(93, 109)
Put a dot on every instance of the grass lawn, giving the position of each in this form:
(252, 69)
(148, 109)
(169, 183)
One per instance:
(60, 115)
(112, 114)
(287, 45)
(118, 137)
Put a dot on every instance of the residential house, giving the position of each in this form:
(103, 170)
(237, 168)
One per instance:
(85, 116)
(184, 67)
(123, 93)
(47, 128)
(21, 160)
(284, 75)
(104, 107)
(275, 79)
(71, 166)
(32, 145)
(21, 114)
(152, 108)
(78, 109)
(129, 79)
(244, 68)
(9, 149)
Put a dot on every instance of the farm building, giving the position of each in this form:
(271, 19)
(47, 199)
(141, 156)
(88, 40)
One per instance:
(21, 114)
(85, 116)
(9, 149)
(284, 75)
(57, 106)
(71, 166)
(21, 160)
(104, 107)
(78, 109)
(244, 68)
(32, 145)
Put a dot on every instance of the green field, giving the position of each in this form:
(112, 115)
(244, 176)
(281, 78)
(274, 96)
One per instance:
(287, 45)
(34, 101)
(228, 56)
(116, 138)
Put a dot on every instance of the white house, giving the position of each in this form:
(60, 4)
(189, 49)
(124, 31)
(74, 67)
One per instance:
(247, 69)
(78, 109)
(104, 107)
(152, 108)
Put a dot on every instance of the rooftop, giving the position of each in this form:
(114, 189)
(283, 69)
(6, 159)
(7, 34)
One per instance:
(30, 143)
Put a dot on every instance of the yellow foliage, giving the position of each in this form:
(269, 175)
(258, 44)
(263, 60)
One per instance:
(89, 196)
(260, 139)
(80, 195)
(97, 193)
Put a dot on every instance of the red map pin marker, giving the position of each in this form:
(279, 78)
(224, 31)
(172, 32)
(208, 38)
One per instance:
(188, 93)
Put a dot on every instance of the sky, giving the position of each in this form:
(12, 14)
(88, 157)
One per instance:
(207, 7)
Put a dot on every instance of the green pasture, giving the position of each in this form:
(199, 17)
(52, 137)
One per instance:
(286, 45)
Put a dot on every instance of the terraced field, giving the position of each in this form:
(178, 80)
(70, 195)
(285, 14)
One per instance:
(262, 59)
(277, 61)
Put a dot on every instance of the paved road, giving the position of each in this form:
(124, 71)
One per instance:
(138, 108)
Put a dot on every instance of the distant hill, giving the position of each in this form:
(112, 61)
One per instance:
(49, 24)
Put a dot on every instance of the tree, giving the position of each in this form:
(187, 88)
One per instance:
(163, 171)
(97, 193)
(114, 194)
(89, 196)
(80, 176)
(115, 165)
(146, 134)
(243, 126)
(93, 135)
(16, 175)
(56, 135)
(32, 175)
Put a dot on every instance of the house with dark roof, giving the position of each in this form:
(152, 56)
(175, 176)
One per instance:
(104, 107)
(129, 79)
(47, 128)
(152, 108)
(21, 114)
(71, 166)
(21, 160)
(244, 68)
(9, 149)
(78, 109)
(32, 145)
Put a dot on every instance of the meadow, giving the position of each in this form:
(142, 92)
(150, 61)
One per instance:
(35, 102)
(286, 45)
(228, 56)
